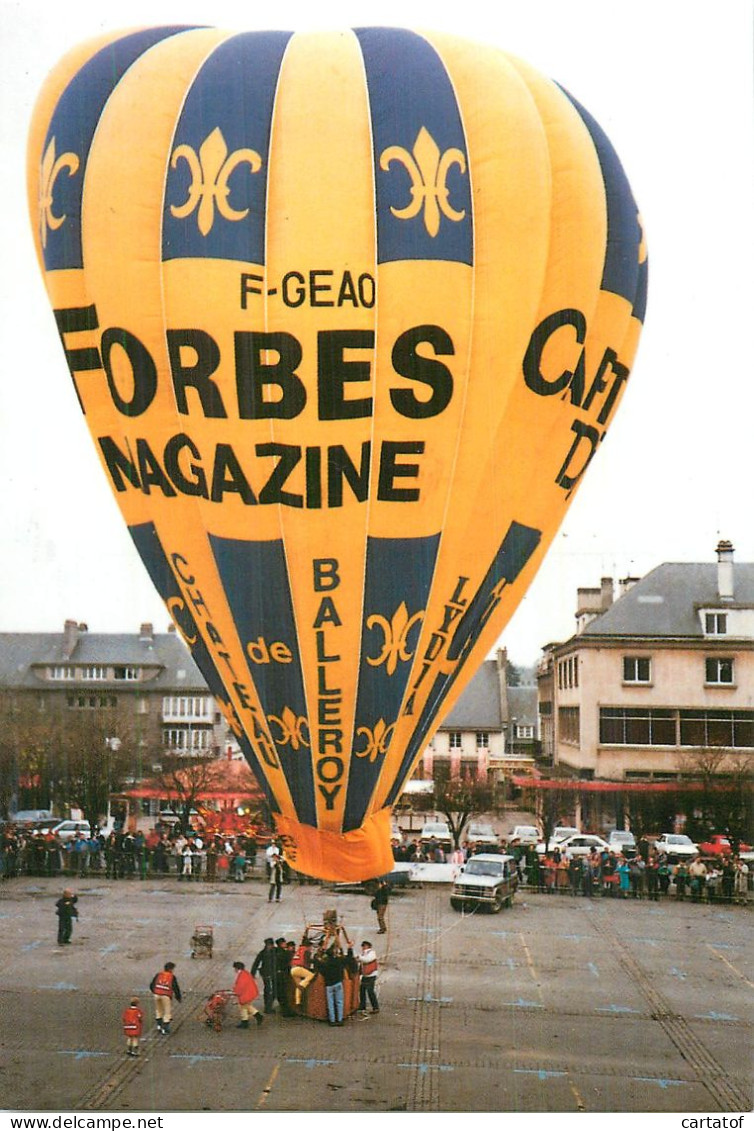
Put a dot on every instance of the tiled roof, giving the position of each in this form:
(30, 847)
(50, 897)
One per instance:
(522, 705)
(665, 602)
(479, 707)
(20, 652)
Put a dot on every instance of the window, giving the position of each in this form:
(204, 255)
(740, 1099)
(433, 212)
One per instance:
(455, 740)
(126, 673)
(63, 671)
(482, 740)
(717, 728)
(715, 624)
(94, 671)
(523, 731)
(637, 726)
(176, 738)
(718, 671)
(637, 669)
(469, 768)
(187, 707)
(569, 724)
(568, 673)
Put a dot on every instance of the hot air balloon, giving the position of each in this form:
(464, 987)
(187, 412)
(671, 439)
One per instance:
(348, 315)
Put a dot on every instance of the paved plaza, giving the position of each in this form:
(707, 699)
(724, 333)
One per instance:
(561, 1004)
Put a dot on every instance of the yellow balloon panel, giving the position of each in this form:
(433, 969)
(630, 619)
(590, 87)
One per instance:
(348, 315)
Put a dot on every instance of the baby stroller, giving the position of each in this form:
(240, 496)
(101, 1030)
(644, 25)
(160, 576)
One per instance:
(215, 1009)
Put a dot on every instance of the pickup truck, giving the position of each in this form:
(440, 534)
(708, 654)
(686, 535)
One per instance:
(488, 879)
(439, 831)
(477, 833)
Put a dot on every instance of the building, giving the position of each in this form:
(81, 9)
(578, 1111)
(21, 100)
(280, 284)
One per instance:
(144, 683)
(659, 682)
(491, 729)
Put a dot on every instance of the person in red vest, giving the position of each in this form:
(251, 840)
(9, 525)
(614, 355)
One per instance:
(245, 989)
(133, 1023)
(164, 987)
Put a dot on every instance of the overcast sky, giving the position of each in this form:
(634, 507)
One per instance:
(671, 83)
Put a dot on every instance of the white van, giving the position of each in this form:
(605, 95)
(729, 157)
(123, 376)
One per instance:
(69, 830)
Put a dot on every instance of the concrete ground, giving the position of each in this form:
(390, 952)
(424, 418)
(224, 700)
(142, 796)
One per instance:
(560, 1004)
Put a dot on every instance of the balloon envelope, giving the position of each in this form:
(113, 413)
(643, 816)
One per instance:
(348, 315)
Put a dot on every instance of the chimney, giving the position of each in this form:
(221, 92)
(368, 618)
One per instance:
(627, 583)
(606, 593)
(725, 570)
(146, 634)
(70, 638)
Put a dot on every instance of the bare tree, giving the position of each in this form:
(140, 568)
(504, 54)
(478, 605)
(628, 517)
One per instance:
(719, 793)
(185, 781)
(460, 799)
(58, 756)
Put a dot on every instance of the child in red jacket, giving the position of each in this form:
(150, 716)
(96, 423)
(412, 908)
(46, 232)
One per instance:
(133, 1023)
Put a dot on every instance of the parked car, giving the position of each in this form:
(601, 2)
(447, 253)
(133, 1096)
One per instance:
(478, 833)
(524, 834)
(171, 817)
(30, 818)
(488, 879)
(677, 844)
(439, 831)
(623, 841)
(69, 830)
(559, 834)
(719, 845)
(581, 844)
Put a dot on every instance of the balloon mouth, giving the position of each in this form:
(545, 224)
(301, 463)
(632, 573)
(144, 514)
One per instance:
(360, 854)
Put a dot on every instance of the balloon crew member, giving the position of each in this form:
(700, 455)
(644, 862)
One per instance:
(164, 986)
(283, 981)
(331, 964)
(65, 909)
(368, 967)
(379, 904)
(133, 1024)
(265, 963)
(301, 969)
(276, 879)
(245, 989)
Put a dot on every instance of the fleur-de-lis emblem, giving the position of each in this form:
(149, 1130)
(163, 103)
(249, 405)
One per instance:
(52, 167)
(377, 740)
(428, 170)
(395, 646)
(210, 171)
(291, 728)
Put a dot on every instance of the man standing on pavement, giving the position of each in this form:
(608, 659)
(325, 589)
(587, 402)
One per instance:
(245, 988)
(332, 966)
(379, 904)
(283, 983)
(266, 964)
(65, 909)
(368, 968)
(164, 986)
(276, 879)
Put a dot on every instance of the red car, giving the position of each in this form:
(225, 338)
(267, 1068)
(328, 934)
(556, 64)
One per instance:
(719, 845)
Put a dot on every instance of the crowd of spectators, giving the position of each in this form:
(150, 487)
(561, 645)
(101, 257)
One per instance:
(128, 855)
(645, 874)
